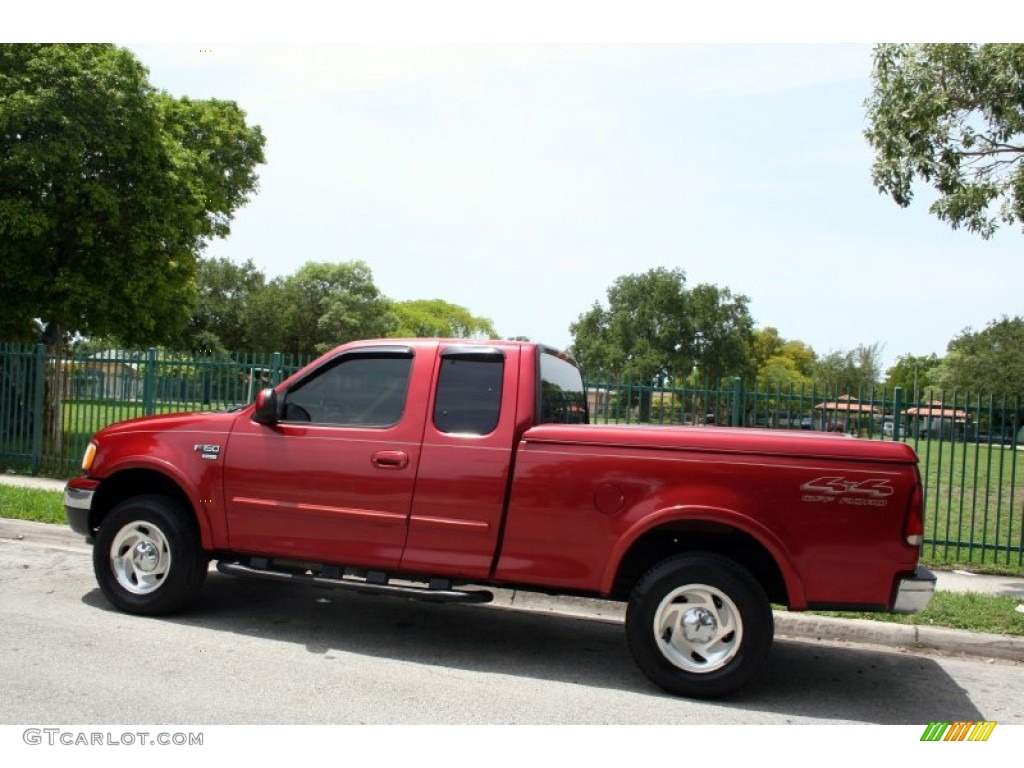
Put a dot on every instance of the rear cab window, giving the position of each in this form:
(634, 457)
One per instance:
(469, 390)
(563, 398)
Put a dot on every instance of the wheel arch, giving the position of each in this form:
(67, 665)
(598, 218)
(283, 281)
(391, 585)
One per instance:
(138, 481)
(681, 529)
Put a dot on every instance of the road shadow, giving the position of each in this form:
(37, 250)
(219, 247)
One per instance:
(800, 679)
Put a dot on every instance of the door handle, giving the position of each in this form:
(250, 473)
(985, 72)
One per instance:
(390, 460)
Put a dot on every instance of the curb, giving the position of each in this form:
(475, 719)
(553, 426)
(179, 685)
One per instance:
(905, 637)
(794, 626)
(800, 626)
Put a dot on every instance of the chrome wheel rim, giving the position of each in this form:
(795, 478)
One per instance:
(140, 557)
(698, 628)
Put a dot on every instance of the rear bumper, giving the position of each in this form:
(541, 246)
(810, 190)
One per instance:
(78, 494)
(913, 593)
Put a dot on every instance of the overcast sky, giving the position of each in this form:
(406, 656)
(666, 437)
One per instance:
(520, 180)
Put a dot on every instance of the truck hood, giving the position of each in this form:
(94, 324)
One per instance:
(211, 421)
(709, 439)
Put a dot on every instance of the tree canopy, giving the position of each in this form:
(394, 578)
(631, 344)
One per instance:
(989, 362)
(310, 311)
(654, 326)
(952, 116)
(849, 371)
(109, 190)
(780, 363)
(913, 373)
(323, 305)
(222, 319)
(436, 317)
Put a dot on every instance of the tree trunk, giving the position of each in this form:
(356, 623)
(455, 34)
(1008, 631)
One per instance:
(644, 415)
(53, 411)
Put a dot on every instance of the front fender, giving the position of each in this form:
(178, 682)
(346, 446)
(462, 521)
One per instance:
(201, 492)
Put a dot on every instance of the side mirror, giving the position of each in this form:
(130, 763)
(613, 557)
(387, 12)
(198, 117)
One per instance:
(266, 408)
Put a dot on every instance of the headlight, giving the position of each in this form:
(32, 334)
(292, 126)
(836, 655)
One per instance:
(90, 454)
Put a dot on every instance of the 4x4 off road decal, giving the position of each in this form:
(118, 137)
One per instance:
(869, 492)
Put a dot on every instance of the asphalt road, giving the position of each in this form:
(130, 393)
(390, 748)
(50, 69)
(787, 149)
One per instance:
(255, 652)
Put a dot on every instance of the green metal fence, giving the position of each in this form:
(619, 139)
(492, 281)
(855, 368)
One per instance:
(970, 447)
(95, 390)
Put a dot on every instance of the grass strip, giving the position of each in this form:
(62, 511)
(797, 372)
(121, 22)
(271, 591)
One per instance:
(32, 504)
(993, 614)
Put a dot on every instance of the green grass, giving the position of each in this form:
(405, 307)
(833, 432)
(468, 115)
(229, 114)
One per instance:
(958, 610)
(970, 611)
(974, 494)
(89, 416)
(81, 420)
(32, 504)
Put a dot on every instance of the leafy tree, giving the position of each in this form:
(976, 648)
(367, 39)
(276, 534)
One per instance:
(913, 373)
(438, 318)
(723, 332)
(654, 327)
(221, 318)
(990, 362)
(328, 304)
(109, 190)
(644, 332)
(780, 363)
(801, 356)
(267, 315)
(953, 117)
(850, 371)
(764, 344)
(786, 370)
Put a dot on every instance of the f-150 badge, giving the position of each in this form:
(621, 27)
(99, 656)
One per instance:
(206, 451)
(869, 492)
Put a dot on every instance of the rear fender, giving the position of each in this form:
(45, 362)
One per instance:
(726, 517)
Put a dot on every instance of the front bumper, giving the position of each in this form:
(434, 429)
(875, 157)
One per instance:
(914, 593)
(78, 494)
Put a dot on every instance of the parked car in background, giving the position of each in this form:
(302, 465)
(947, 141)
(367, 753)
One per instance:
(889, 431)
(991, 437)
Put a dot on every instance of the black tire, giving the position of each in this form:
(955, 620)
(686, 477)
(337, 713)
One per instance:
(722, 635)
(148, 557)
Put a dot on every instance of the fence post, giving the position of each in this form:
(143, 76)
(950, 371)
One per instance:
(149, 384)
(897, 413)
(275, 369)
(737, 403)
(38, 388)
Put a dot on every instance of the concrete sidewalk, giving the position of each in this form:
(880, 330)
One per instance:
(792, 625)
(25, 481)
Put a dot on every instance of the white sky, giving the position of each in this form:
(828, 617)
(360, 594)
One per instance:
(520, 179)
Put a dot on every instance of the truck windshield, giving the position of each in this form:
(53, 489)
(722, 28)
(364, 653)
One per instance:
(563, 399)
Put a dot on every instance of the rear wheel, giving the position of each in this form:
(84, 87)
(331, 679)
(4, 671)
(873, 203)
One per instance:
(699, 625)
(147, 557)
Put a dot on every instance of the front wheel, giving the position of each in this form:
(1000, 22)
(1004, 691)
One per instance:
(147, 557)
(699, 625)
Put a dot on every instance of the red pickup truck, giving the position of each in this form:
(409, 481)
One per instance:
(436, 468)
